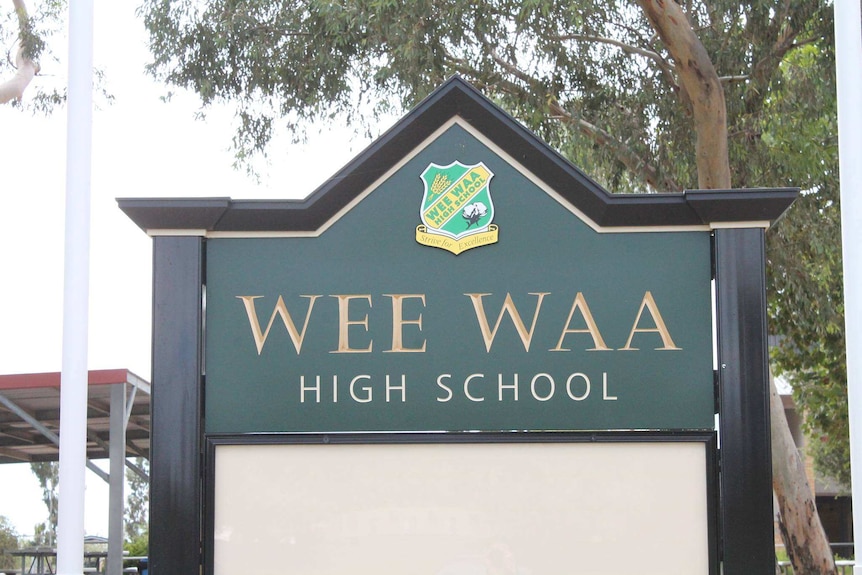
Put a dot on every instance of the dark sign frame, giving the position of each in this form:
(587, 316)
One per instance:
(179, 504)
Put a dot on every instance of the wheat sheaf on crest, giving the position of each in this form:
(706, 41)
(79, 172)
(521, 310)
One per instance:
(440, 183)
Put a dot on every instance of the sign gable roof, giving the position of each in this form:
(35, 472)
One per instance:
(458, 101)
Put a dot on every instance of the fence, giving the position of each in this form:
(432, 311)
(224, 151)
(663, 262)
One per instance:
(845, 567)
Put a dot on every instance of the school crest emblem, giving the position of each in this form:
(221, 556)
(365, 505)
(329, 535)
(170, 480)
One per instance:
(456, 210)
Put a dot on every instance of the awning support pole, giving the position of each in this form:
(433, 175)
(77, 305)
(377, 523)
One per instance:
(116, 504)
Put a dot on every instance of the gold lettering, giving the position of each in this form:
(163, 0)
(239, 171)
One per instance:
(280, 310)
(581, 304)
(344, 323)
(398, 322)
(660, 327)
(508, 307)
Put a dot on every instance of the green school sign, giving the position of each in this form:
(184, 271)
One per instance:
(460, 340)
(540, 322)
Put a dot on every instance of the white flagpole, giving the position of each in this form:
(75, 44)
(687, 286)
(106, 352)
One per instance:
(76, 288)
(848, 60)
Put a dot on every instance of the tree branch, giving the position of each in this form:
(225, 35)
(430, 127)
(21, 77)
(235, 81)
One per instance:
(637, 165)
(633, 162)
(627, 48)
(667, 68)
(511, 68)
(764, 69)
(13, 88)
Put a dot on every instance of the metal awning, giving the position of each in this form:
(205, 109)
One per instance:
(118, 410)
(30, 415)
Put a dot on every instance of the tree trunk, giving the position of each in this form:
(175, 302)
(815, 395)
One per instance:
(798, 520)
(700, 89)
(13, 89)
(703, 96)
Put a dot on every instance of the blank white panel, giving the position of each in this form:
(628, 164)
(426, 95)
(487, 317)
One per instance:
(461, 509)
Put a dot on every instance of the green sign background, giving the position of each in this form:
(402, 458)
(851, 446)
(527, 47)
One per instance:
(542, 247)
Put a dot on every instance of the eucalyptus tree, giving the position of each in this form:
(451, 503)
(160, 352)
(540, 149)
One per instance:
(48, 474)
(22, 65)
(9, 541)
(137, 501)
(25, 34)
(645, 96)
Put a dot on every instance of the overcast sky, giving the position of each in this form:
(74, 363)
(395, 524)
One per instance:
(142, 147)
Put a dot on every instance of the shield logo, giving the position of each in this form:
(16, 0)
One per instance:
(456, 209)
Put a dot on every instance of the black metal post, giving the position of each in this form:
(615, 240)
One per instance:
(743, 378)
(175, 441)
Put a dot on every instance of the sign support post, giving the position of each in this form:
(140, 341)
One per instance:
(175, 451)
(743, 380)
